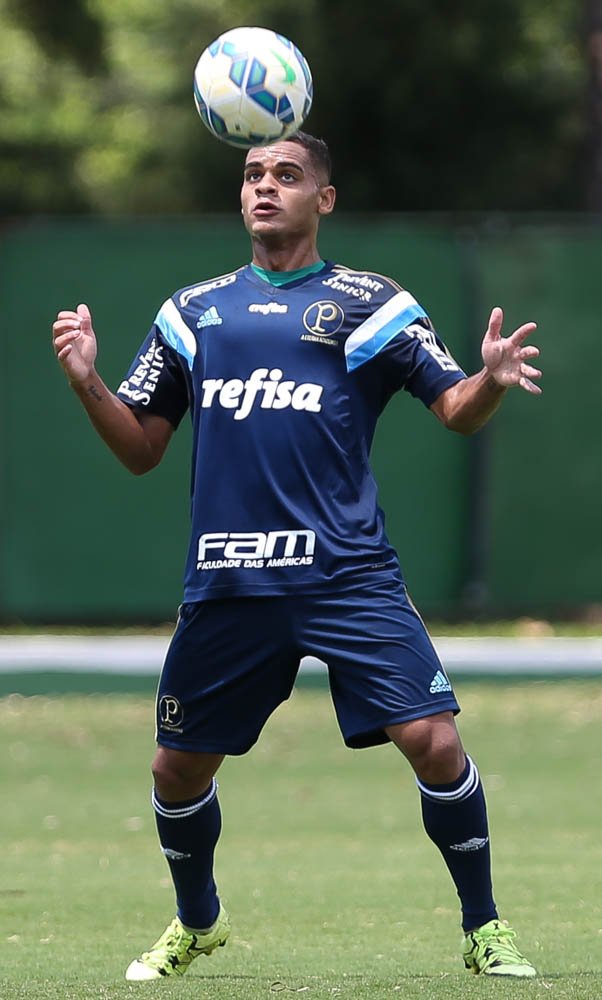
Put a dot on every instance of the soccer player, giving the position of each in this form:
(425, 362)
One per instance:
(285, 365)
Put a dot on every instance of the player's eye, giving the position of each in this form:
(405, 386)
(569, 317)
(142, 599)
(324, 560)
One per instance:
(252, 175)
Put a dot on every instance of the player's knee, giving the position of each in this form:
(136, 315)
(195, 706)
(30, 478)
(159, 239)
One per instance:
(432, 746)
(179, 776)
(168, 773)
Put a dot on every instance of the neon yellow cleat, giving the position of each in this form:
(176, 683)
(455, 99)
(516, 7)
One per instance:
(491, 950)
(177, 948)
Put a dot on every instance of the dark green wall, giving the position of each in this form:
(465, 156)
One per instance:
(506, 520)
(546, 459)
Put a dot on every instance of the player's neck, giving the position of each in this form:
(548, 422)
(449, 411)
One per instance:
(284, 258)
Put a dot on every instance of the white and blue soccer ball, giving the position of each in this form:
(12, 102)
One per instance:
(252, 87)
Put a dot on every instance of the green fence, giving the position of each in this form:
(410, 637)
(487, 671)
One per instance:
(506, 521)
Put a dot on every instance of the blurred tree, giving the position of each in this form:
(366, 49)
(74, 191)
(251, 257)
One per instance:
(463, 106)
(438, 106)
(593, 153)
(66, 29)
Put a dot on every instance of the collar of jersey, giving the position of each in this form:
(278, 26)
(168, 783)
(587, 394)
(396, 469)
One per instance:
(279, 278)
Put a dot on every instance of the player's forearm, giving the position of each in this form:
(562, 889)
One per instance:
(116, 424)
(469, 404)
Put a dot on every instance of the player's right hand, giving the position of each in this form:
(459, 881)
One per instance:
(74, 343)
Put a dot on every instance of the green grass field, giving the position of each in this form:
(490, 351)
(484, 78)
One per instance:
(333, 889)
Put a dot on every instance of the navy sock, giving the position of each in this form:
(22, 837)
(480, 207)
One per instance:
(188, 833)
(455, 818)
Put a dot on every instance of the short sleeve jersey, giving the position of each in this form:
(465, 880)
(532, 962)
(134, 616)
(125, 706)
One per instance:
(284, 386)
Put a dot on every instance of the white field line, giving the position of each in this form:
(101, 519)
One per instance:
(144, 655)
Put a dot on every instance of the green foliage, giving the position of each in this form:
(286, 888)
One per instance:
(333, 888)
(434, 106)
(68, 30)
(464, 106)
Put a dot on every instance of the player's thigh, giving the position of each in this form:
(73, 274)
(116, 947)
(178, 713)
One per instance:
(229, 665)
(383, 667)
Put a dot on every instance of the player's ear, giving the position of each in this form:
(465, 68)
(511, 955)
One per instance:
(326, 200)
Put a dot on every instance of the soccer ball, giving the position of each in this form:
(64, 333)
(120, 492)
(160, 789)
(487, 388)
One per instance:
(252, 87)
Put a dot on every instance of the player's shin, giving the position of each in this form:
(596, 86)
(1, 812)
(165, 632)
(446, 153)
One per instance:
(455, 818)
(188, 833)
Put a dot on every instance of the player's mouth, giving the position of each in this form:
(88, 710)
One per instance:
(265, 208)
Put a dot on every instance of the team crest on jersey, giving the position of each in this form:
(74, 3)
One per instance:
(322, 320)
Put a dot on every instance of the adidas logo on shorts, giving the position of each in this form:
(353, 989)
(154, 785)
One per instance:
(439, 683)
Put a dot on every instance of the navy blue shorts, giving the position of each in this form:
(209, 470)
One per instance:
(232, 662)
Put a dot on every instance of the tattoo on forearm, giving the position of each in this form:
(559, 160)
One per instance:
(93, 391)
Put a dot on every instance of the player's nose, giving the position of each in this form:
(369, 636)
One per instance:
(267, 183)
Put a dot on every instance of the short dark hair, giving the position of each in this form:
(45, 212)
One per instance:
(318, 152)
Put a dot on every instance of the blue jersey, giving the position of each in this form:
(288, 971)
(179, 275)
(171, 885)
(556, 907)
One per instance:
(285, 386)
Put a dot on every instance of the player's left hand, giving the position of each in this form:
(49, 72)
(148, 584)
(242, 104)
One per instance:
(506, 359)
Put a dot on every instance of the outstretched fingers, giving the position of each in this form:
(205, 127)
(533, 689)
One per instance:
(494, 327)
(529, 371)
(529, 386)
(530, 351)
(522, 332)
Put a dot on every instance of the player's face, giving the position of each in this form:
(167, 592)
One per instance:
(282, 194)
